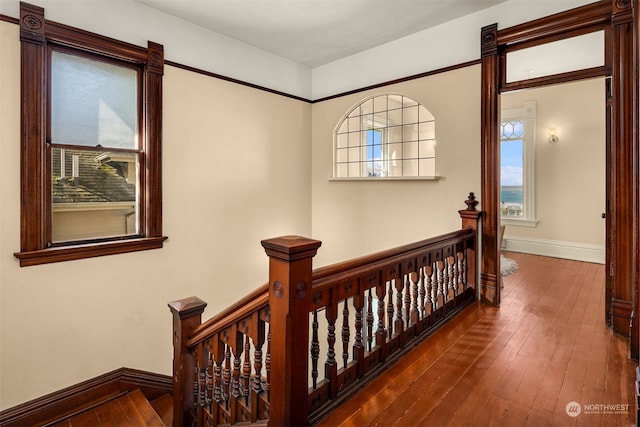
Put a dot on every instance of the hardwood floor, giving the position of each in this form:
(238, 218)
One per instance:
(517, 365)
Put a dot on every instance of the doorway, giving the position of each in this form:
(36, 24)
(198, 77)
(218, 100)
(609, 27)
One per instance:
(619, 25)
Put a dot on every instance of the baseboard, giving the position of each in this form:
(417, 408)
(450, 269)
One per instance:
(55, 406)
(556, 248)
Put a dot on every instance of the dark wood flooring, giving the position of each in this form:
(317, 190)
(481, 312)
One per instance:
(521, 364)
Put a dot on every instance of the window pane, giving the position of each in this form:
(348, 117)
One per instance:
(380, 103)
(410, 133)
(427, 130)
(341, 155)
(410, 150)
(395, 134)
(367, 107)
(354, 123)
(511, 178)
(93, 103)
(94, 194)
(395, 117)
(387, 130)
(342, 170)
(410, 167)
(354, 139)
(410, 115)
(427, 148)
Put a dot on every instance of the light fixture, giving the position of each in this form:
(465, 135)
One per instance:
(553, 136)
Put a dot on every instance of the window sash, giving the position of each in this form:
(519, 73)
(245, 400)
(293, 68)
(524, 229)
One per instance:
(36, 36)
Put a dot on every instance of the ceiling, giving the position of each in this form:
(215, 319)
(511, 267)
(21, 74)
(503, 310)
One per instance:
(316, 32)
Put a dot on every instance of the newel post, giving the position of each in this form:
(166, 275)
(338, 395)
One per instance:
(290, 266)
(187, 315)
(470, 219)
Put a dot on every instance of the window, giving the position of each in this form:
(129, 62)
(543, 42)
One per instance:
(91, 179)
(517, 165)
(385, 136)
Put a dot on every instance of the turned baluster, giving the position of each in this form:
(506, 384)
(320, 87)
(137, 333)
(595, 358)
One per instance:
(267, 365)
(425, 291)
(415, 314)
(380, 331)
(226, 375)
(453, 290)
(432, 291)
(439, 284)
(258, 339)
(369, 321)
(331, 365)
(196, 387)
(358, 348)
(246, 369)
(315, 350)
(218, 394)
(390, 310)
(209, 381)
(237, 362)
(399, 323)
(346, 333)
(407, 300)
(445, 280)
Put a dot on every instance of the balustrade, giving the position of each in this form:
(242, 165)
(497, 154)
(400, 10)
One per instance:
(353, 318)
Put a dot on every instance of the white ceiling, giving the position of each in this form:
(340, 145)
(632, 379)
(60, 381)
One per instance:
(316, 32)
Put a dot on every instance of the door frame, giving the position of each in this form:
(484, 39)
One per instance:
(619, 20)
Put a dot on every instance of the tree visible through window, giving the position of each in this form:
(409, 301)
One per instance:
(385, 136)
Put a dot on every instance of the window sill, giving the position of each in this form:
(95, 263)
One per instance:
(531, 223)
(389, 178)
(88, 250)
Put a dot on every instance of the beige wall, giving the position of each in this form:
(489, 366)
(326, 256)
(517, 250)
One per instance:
(355, 218)
(570, 174)
(236, 170)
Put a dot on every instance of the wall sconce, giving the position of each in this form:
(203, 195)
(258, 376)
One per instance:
(553, 136)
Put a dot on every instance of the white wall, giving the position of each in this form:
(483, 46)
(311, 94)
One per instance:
(356, 218)
(236, 165)
(448, 44)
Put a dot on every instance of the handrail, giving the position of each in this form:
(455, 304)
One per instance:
(256, 300)
(383, 301)
(259, 297)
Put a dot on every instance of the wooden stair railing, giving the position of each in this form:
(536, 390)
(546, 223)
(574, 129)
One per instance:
(275, 357)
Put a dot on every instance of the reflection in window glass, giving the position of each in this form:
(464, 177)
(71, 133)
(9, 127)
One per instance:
(94, 148)
(93, 103)
(93, 194)
(387, 136)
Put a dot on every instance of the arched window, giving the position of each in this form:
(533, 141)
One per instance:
(385, 136)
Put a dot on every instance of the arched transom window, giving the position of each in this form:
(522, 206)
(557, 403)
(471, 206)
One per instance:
(384, 136)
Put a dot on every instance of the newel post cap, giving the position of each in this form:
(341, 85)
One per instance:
(291, 248)
(187, 307)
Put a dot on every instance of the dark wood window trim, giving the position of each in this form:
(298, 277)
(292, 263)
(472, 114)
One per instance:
(36, 34)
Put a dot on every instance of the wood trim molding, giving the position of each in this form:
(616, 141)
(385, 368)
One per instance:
(490, 158)
(63, 403)
(619, 19)
(36, 34)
